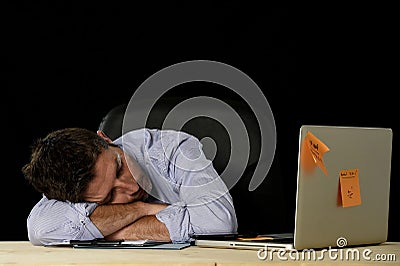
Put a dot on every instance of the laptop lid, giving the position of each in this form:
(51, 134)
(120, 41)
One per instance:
(343, 186)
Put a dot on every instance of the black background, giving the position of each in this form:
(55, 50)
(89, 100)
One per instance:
(67, 64)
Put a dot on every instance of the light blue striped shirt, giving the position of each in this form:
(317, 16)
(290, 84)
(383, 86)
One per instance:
(180, 174)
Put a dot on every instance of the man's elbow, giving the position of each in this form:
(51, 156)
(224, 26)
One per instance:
(37, 238)
(227, 226)
(223, 224)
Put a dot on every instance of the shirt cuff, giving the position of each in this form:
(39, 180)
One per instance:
(176, 219)
(88, 228)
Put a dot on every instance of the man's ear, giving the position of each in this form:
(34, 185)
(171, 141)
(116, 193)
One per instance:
(104, 136)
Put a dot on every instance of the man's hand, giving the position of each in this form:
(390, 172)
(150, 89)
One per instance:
(113, 217)
(154, 208)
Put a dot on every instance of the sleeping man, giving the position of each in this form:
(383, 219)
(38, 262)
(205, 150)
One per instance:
(146, 184)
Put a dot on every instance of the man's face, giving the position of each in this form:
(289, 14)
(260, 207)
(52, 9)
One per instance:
(113, 182)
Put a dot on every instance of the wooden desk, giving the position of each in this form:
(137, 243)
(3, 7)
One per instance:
(23, 253)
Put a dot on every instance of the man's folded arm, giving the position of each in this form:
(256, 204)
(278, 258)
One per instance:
(175, 223)
(114, 217)
(54, 221)
(147, 227)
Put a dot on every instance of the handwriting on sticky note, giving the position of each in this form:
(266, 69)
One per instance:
(350, 187)
(312, 152)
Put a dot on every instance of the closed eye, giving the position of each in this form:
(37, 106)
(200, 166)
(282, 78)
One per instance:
(108, 199)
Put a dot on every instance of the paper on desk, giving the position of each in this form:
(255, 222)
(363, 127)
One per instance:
(171, 246)
(141, 242)
(58, 243)
(102, 242)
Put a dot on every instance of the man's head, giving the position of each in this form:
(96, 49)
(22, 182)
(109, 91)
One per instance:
(62, 163)
(76, 164)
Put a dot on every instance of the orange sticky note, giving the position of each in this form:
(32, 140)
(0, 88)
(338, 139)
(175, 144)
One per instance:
(350, 188)
(312, 152)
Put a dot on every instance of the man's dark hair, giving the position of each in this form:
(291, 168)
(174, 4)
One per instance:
(62, 164)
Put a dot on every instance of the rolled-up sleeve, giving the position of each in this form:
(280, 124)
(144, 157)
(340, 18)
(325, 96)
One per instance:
(182, 221)
(177, 221)
(54, 221)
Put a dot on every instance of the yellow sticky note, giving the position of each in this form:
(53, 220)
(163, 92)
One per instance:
(350, 188)
(312, 152)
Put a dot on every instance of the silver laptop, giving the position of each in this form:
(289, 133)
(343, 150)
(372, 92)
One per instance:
(343, 184)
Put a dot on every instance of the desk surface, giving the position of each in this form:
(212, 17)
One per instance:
(24, 253)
